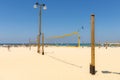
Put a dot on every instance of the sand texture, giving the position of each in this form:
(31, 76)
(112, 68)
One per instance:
(58, 63)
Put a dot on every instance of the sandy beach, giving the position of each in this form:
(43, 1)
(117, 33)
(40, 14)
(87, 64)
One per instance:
(58, 63)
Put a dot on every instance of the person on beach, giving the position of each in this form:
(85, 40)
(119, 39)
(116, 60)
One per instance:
(8, 47)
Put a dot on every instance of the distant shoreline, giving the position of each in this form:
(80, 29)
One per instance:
(63, 44)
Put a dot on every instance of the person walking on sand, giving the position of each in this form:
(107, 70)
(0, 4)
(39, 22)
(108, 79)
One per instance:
(8, 47)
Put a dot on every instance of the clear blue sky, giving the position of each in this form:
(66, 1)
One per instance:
(19, 20)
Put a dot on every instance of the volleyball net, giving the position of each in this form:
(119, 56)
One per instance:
(71, 39)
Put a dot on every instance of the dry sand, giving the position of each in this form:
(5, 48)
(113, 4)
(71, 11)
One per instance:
(58, 63)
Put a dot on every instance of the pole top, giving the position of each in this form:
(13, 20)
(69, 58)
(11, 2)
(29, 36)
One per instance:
(92, 15)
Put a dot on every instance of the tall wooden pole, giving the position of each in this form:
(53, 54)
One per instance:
(78, 40)
(38, 40)
(92, 65)
(29, 44)
(42, 43)
(39, 28)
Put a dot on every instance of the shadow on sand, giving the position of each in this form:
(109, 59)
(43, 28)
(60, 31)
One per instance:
(109, 72)
(64, 61)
